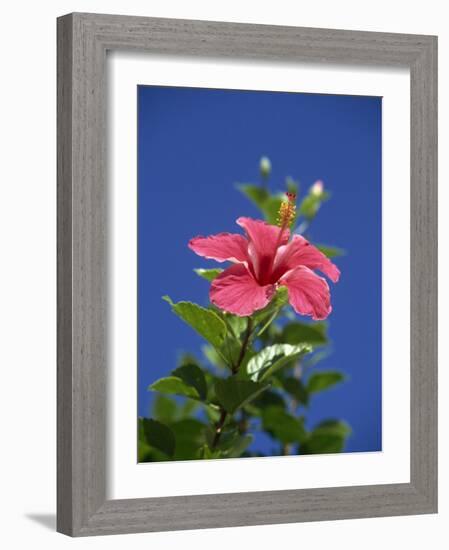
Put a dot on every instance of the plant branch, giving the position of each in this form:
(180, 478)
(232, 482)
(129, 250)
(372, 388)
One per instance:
(286, 449)
(221, 422)
(245, 343)
(219, 428)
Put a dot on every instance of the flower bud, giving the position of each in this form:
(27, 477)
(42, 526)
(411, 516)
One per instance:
(265, 167)
(317, 189)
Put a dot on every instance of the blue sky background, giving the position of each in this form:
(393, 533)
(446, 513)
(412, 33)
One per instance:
(193, 145)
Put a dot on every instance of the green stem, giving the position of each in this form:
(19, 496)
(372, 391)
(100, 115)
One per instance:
(244, 347)
(286, 449)
(264, 182)
(268, 323)
(304, 227)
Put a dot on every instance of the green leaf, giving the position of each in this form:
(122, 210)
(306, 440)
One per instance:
(297, 333)
(231, 442)
(330, 251)
(194, 377)
(337, 427)
(328, 437)
(208, 274)
(269, 335)
(239, 445)
(186, 358)
(236, 328)
(283, 426)
(190, 436)
(258, 195)
(267, 203)
(237, 325)
(272, 358)
(212, 355)
(228, 434)
(175, 386)
(323, 380)
(206, 453)
(316, 357)
(233, 393)
(158, 435)
(267, 399)
(205, 321)
(165, 409)
(188, 408)
(311, 204)
(213, 413)
(144, 453)
(143, 449)
(271, 208)
(296, 388)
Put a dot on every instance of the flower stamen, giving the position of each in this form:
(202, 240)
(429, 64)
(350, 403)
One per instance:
(286, 215)
(287, 211)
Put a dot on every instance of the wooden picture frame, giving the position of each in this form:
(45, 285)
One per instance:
(83, 40)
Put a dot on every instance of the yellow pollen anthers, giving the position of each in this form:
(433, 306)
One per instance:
(287, 211)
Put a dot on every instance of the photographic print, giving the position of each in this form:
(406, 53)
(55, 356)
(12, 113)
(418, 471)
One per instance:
(259, 274)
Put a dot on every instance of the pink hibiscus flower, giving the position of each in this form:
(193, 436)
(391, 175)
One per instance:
(262, 261)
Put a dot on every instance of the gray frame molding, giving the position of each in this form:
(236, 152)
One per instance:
(83, 40)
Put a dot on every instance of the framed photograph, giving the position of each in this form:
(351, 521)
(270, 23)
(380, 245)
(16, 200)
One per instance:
(247, 274)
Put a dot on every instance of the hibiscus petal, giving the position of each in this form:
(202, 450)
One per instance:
(222, 247)
(236, 291)
(308, 293)
(300, 252)
(264, 239)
